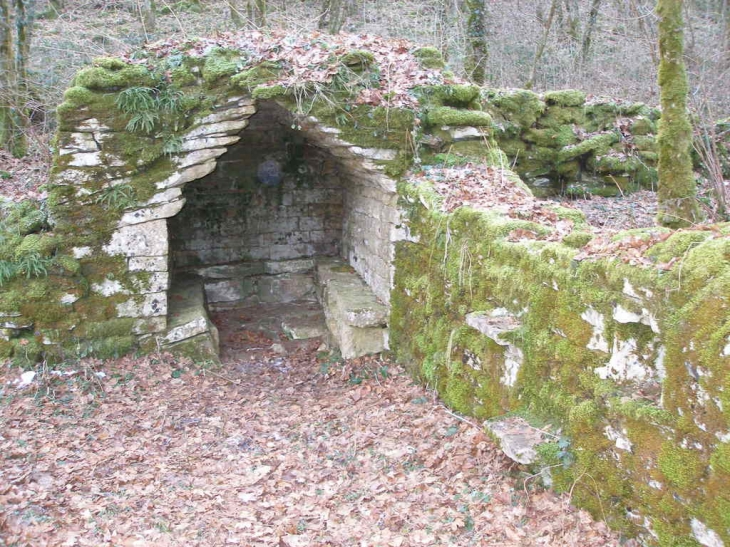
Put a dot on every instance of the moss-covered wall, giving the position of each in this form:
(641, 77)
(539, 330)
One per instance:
(565, 141)
(630, 362)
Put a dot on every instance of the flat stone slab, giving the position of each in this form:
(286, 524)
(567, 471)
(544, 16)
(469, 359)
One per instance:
(188, 319)
(517, 438)
(356, 319)
(494, 323)
(304, 328)
(358, 304)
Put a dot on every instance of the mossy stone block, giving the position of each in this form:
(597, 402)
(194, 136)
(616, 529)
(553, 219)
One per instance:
(565, 97)
(444, 115)
(429, 57)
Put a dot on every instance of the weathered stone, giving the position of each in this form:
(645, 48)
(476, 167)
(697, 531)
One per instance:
(166, 196)
(231, 271)
(354, 316)
(147, 305)
(199, 157)
(289, 266)
(225, 290)
(517, 438)
(380, 154)
(207, 142)
(178, 178)
(148, 214)
(190, 331)
(81, 252)
(149, 263)
(228, 114)
(286, 288)
(494, 324)
(220, 129)
(92, 125)
(465, 133)
(146, 239)
(304, 328)
(598, 341)
(86, 159)
(149, 325)
(79, 142)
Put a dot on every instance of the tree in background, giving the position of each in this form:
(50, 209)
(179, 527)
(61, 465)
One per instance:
(677, 191)
(257, 13)
(14, 55)
(542, 44)
(475, 63)
(148, 15)
(332, 16)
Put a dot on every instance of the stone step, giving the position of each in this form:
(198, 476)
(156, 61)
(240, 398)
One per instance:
(304, 328)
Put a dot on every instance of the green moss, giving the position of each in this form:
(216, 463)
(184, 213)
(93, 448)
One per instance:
(577, 239)
(597, 144)
(102, 79)
(557, 138)
(112, 347)
(110, 63)
(357, 59)
(41, 244)
(522, 107)
(253, 77)
(445, 115)
(642, 126)
(429, 57)
(680, 466)
(455, 95)
(221, 63)
(721, 458)
(267, 92)
(567, 97)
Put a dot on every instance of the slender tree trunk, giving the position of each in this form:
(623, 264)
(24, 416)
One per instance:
(588, 34)
(332, 15)
(572, 20)
(148, 16)
(237, 13)
(725, 14)
(55, 8)
(476, 34)
(645, 31)
(257, 13)
(14, 48)
(543, 43)
(677, 205)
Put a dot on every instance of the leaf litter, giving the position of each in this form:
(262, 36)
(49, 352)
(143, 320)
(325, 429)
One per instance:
(311, 451)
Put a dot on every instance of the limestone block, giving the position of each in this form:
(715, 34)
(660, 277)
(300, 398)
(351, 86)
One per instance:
(92, 125)
(225, 290)
(465, 133)
(625, 363)
(228, 114)
(517, 438)
(207, 142)
(153, 282)
(149, 325)
(188, 175)
(494, 323)
(146, 239)
(166, 196)
(78, 142)
(286, 288)
(149, 263)
(304, 328)
(380, 154)
(109, 287)
(81, 252)
(598, 341)
(148, 214)
(289, 266)
(86, 159)
(147, 305)
(220, 129)
(231, 271)
(73, 177)
(199, 156)
(14, 320)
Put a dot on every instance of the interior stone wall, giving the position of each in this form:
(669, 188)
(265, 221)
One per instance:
(273, 196)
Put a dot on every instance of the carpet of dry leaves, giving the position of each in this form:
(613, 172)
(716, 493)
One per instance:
(292, 450)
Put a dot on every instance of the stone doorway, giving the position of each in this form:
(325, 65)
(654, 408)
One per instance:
(291, 219)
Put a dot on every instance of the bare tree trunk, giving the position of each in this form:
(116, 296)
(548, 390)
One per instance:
(645, 31)
(572, 20)
(14, 48)
(332, 15)
(725, 14)
(257, 13)
(237, 13)
(55, 8)
(588, 34)
(677, 203)
(148, 16)
(476, 34)
(541, 46)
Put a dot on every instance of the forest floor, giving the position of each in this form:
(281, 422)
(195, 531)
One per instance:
(281, 445)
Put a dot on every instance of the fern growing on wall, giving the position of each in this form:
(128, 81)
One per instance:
(145, 105)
